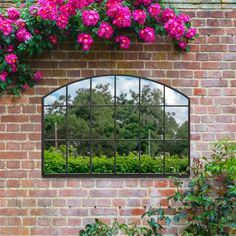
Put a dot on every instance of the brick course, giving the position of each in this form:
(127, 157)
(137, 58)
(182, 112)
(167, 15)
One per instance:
(30, 205)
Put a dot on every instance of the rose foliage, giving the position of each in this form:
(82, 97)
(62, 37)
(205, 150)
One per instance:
(30, 28)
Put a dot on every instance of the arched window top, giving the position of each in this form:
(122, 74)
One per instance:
(115, 126)
(116, 85)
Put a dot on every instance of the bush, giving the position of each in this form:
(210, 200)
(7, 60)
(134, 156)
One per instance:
(55, 162)
(207, 206)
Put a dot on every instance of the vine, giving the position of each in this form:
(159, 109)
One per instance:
(30, 28)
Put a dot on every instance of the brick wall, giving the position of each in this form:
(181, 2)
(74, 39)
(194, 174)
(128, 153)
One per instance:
(30, 205)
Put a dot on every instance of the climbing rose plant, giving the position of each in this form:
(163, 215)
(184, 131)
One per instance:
(30, 28)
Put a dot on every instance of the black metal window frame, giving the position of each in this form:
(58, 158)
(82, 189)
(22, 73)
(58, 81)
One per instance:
(116, 175)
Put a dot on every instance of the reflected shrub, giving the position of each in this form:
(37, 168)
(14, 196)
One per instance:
(55, 162)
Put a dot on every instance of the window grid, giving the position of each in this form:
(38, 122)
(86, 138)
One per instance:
(115, 139)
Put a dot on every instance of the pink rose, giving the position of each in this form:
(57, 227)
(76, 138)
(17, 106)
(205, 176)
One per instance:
(191, 33)
(62, 21)
(11, 59)
(168, 14)
(122, 18)
(38, 76)
(124, 41)
(25, 86)
(3, 76)
(183, 45)
(85, 40)
(154, 10)
(139, 16)
(23, 35)
(174, 29)
(53, 39)
(147, 35)
(13, 13)
(90, 17)
(6, 27)
(105, 31)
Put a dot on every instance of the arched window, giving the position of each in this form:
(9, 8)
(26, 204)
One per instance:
(117, 126)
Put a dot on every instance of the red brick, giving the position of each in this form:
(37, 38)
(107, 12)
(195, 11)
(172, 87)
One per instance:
(199, 91)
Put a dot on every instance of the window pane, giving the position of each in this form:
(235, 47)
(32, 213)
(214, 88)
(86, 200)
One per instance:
(79, 157)
(151, 93)
(152, 157)
(57, 98)
(103, 90)
(103, 157)
(79, 93)
(174, 98)
(127, 90)
(151, 122)
(127, 122)
(54, 157)
(177, 153)
(102, 122)
(54, 123)
(127, 157)
(176, 122)
(78, 122)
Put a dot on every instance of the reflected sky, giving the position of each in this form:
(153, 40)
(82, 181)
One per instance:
(154, 88)
(50, 99)
(181, 113)
(73, 88)
(107, 80)
(174, 98)
(125, 84)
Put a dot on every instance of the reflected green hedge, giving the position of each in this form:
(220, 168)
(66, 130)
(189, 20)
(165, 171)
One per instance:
(54, 162)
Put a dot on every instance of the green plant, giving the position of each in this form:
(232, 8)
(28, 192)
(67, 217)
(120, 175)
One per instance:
(209, 205)
(55, 162)
(154, 217)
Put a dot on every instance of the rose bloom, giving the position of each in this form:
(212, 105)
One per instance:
(174, 29)
(23, 35)
(154, 10)
(124, 41)
(168, 14)
(6, 27)
(183, 45)
(25, 86)
(20, 23)
(142, 2)
(183, 18)
(139, 16)
(53, 39)
(90, 17)
(191, 33)
(147, 35)
(85, 40)
(10, 48)
(11, 59)
(38, 76)
(13, 13)
(105, 31)
(3, 76)
(62, 21)
(122, 18)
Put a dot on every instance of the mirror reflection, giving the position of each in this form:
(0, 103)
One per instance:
(115, 125)
(127, 90)
(151, 93)
(176, 119)
(176, 157)
(152, 157)
(57, 98)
